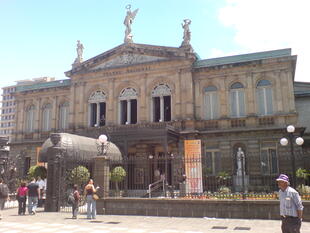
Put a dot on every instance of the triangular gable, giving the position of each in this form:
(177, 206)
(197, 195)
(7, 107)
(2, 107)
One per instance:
(130, 54)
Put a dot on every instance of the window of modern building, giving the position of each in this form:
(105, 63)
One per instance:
(63, 116)
(237, 103)
(264, 97)
(211, 103)
(269, 161)
(97, 109)
(128, 106)
(46, 117)
(29, 124)
(161, 103)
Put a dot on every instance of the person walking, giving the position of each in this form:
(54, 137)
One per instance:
(75, 203)
(41, 184)
(291, 207)
(4, 195)
(33, 196)
(21, 194)
(89, 191)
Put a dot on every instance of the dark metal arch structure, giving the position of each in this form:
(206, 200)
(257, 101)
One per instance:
(61, 151)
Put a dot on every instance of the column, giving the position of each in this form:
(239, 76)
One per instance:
(129, 111)
(55, 113)
(98, 114)
(161, 108)
(102, 175)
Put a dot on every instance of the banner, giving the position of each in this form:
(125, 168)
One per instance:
(193, 168)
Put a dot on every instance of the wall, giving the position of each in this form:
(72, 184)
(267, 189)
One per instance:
(243, 209)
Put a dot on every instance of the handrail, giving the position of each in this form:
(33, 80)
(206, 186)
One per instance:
(153, 184)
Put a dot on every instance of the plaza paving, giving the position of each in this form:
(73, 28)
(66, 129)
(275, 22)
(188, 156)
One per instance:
(62, 222)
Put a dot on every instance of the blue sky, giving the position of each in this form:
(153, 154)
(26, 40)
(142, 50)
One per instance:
(38, 38)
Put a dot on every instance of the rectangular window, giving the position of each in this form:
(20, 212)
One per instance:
(93, 114)
(269, 161)
(102, 114)
(123, 112)
(156, 110)
(133, 111)
(167, 108)
(212, 162)
(211, 105)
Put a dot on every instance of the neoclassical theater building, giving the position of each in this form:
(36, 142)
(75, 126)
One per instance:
(148, 99)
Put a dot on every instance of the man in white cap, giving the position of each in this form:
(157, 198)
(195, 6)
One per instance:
(290, 206)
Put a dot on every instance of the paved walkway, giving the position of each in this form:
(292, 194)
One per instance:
(62, 222)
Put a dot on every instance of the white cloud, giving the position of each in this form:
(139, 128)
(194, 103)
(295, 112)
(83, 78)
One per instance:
(271, 24)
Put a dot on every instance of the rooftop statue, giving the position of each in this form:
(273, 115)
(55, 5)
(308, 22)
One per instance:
(79, 51)
(186, 33)
(127, 22)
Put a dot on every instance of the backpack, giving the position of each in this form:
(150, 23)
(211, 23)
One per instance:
(4, 191)
(71, 199)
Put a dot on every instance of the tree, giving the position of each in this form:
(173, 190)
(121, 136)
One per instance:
(78, 175)
(36, 170)
(117, 175)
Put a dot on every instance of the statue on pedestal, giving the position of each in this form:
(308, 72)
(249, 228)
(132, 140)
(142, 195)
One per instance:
(79, 51)
(186, 33)
(127, 22)
(240, 162)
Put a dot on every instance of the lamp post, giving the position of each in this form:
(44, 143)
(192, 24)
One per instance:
(103, 145)
(284, 142)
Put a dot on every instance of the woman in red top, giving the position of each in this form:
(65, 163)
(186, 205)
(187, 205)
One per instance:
(22, 198)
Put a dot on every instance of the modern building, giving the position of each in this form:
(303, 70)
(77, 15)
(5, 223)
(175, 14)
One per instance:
(150, 99)
(7, 115)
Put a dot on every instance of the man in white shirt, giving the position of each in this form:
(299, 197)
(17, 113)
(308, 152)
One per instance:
(290, 206)
(41, 184)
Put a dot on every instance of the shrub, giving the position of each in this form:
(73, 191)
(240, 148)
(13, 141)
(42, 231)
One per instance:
(35, 171)
(302, 173)
(117, 175)
(303, 189)
(224, 189)
(79, 175)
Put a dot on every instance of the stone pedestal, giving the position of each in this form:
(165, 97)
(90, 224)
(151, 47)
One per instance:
(101, 175)
(237, 181)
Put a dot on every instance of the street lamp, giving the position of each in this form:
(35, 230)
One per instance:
(284, 142)
(103, 145)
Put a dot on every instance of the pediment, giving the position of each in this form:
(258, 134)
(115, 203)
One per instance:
(127, 59)
(130, 54)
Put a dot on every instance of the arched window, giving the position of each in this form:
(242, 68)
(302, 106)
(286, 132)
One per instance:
(128, 106)
(97, 109)
(161, 103)
(264, 97)
(211, 103)
(46, 117)
(63, 115)
(237, 105)
(29, 123)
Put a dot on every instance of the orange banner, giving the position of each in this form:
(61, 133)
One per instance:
(193, 168)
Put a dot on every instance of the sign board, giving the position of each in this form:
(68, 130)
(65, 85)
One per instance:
(193, 168)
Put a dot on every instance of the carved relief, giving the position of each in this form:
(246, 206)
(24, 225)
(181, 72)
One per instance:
(161, 90)
(128, 93)
(127, 59)
(97, 96)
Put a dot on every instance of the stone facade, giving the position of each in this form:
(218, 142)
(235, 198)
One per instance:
(137, 88)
